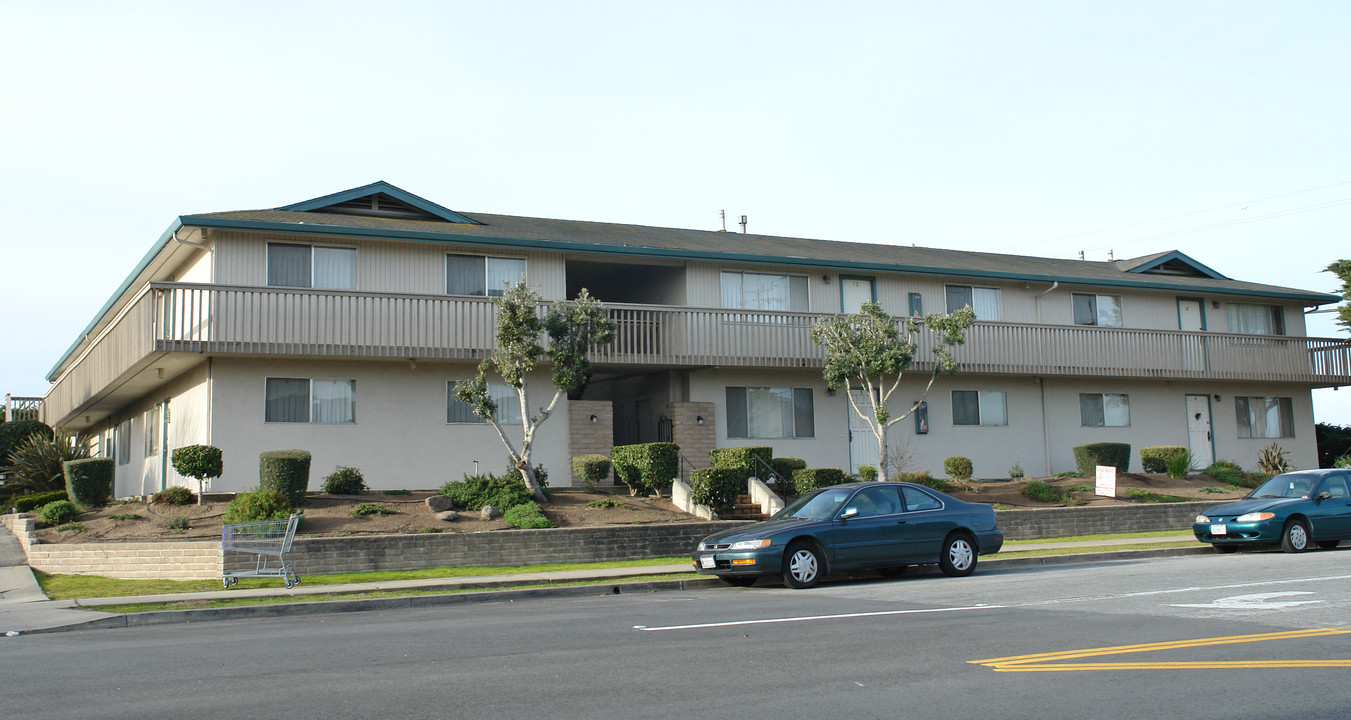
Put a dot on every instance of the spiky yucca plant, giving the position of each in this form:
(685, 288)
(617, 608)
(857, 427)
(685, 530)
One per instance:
(1272, 460)
(38, 461)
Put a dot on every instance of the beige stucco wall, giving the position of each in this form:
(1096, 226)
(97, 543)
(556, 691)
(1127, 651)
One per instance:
(189, 397)
(400, 438)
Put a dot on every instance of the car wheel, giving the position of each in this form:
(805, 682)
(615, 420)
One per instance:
(738, 580)
(1295, 536)
(1329, 544)
(1225, 548)
(802, 565)
(891, 572)
(959, 556)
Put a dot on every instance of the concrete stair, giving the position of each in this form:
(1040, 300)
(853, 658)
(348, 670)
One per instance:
(743, 509)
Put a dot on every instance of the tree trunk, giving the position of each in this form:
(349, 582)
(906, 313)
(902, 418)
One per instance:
(528, 477)
(882, 454)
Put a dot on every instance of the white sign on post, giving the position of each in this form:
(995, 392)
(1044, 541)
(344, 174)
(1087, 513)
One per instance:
(1106, 481)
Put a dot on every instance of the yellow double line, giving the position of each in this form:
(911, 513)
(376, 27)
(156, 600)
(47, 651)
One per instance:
(1051, 662)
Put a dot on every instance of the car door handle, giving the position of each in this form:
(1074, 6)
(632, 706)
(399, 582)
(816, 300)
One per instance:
(902, 522)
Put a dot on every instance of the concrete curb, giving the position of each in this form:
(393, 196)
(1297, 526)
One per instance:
(503, 594)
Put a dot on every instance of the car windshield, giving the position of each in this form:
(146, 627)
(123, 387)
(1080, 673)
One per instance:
(816, 506)
(1289, 485)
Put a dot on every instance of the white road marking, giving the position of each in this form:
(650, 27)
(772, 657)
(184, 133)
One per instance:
(1173, 591)
(1259, 601)
(805, 618)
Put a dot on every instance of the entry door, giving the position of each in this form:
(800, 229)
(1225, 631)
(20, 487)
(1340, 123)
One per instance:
(854, 291)
(862, 441)
(1200, 436)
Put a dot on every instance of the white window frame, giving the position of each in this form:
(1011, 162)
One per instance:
(1110, 422)
(508, 413)
(267, 272)
(487, 276)
(1096, 303)
(997, 302)
(793, 394)
(983, 397)
(311, 401)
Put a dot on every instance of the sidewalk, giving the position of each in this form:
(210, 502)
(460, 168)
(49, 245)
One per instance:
(24, 609)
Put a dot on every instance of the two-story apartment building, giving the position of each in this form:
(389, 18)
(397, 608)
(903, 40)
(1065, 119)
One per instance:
(339, 325)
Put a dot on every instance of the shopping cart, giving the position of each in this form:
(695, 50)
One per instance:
(258, 549)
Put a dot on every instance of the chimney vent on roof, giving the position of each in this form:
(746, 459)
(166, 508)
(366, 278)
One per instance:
(1081, 254)
(722, 216)
(1110, 257)
(743, 224)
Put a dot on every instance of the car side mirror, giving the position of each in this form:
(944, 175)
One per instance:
(848, 513)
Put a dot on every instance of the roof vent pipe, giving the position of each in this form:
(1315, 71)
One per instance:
(1110, 258)
(743, 224)
(1081, 254)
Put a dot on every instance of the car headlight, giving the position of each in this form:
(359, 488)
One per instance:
(1254, 517)
(749, 545)
(702, 547)
(1199, 519)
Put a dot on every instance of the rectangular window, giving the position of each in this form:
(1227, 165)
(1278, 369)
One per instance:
(508, 405)
(1264, 417)
(122, 439)
(984, 407)
(1256, 319)
(985, 301)
(916, 305)
(152, 430)
(768, 412)
(1101, 310)
(311, 266)
(302, 400)
(763, 291)
(482, 276)
(1104, 410)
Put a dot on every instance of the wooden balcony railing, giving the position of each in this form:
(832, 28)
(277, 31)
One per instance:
(179, 317)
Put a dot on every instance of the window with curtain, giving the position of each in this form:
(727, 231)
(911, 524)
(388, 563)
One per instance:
(302, 400)
(770, 412)
(984, 301)
(1264, 417)
(122, 440)
(311, 266)
(1256, 319)
(1101, 310)
(978, 407)
(152, 430)
(1104, 410)
(508, 405)
(764, 291)
(482, 276)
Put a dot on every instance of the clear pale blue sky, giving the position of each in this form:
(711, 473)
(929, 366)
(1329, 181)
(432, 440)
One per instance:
(1041, 128)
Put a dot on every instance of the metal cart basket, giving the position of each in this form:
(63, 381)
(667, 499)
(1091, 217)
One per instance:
(258, 549)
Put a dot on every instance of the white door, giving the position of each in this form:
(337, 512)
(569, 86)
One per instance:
(1199, 431)
(854, 292)
(1189, 316)
(862, 441)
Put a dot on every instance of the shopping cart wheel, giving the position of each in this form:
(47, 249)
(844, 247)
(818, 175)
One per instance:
(289, 583)
(226, 581)
(234, 581)
(297, 581)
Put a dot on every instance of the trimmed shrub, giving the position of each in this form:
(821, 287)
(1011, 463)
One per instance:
(809, 479)
(1154, 459)
(344, 481)
(867, 472)
(958, 467)
(1042, 491)
(176, 495)
(925, 479)
(527, 516)
(58, 512)
(741, 457)
(592, 469)
(647, 466)
(89, 482)
(201, 462)
(717, 487)
(14, 433)
(1229, 473)
(258, 504)
(475, 491)
(785, 466)
(287, 472)
(1088, 457)
(29, 503)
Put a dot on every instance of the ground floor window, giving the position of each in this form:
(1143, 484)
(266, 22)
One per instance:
(1264, 417)
(122, 442)
(1104, 410)
(152, 429)
(508, 405)
(978, 407)
(306, 400)
(770, 412)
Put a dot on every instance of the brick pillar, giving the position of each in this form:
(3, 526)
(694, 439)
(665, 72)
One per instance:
(696, 439)
(586, 437)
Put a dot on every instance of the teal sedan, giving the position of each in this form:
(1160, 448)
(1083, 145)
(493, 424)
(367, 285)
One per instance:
(885, 526)
(1294, 510)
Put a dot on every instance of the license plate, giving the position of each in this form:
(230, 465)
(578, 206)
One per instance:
(1219, 529)
(708, 561)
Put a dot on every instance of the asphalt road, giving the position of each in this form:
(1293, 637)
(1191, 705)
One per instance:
(1222, 636)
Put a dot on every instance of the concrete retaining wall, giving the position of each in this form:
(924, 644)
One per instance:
(1041, 523)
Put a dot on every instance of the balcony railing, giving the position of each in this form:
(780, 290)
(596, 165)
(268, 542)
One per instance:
(179, 317)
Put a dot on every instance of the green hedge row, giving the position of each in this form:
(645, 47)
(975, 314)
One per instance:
(717, 487)
(1088, 457)
(1154, 459)
(809, 479)
(647, 466)
(89, 482)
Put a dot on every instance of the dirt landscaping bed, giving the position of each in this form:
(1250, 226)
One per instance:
(1008, 493)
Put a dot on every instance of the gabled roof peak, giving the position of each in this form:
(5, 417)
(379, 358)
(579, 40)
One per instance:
(1172, 262)
(380, 199)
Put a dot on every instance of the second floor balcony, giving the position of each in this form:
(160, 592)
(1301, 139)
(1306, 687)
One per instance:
(176, 319)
